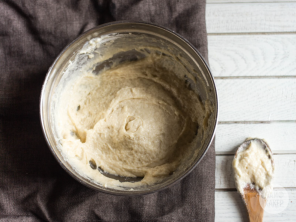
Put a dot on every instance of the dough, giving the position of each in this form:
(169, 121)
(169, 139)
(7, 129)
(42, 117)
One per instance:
(253, 167)
(135, 119)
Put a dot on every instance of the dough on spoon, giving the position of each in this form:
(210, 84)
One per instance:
(253, 167)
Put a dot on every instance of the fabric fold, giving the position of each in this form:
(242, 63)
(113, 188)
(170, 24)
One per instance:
(33, 187)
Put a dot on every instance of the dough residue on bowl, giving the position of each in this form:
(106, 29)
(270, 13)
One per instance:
(132, 118)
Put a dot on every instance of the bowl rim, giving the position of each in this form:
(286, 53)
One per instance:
(128, 192)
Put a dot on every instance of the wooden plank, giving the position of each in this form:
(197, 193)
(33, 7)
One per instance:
(251, 17)
(229, 207)
(256, 99)
(280, 136)
(252, 55)
(285, 171)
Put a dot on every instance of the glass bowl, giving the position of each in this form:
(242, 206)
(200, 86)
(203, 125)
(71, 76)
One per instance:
(132, 34)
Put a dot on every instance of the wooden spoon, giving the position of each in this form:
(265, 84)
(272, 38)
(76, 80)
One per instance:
(254, 202)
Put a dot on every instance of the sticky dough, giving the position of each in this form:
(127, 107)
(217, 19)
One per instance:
(253, 167)
(136, 119)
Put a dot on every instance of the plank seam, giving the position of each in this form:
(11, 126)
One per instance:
(226, 154)
(252, 33)
(256, 122)
(235, 190)
(255, 77)
(274, 152)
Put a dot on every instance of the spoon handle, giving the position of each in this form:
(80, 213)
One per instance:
(255, 205)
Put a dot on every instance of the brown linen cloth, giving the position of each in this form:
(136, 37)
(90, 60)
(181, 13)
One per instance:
(33, 187)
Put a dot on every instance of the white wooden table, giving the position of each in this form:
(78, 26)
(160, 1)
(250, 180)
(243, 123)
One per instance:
(252, 54)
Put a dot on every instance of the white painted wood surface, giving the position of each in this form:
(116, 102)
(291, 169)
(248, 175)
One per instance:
(257, 99)
(281, 136)
(251, 17)
(230, 208)
(252, 54)
(285, 171)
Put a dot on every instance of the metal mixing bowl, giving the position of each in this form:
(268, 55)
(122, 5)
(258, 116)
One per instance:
(156, 36)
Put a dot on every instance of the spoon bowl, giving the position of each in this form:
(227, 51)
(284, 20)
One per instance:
(253, 198)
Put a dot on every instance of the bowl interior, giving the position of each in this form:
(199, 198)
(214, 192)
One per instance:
(124, 37)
